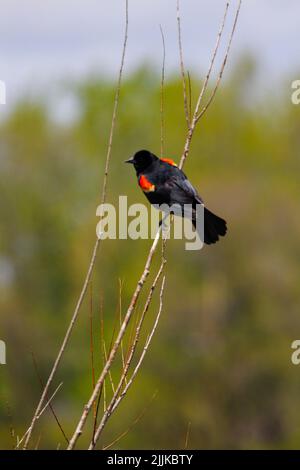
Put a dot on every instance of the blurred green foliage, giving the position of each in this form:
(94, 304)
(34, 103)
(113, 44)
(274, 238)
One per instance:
(220, 358)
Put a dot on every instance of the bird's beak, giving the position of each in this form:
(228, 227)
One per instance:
(130, 160)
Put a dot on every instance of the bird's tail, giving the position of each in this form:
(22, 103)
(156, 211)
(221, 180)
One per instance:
(214, 227)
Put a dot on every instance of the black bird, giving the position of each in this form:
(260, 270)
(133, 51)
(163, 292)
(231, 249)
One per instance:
(164, 183)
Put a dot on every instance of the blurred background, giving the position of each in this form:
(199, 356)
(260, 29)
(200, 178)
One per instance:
(220, 361)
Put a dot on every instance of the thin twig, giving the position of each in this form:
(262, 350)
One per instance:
(104, 354)
(136, 420)
(40, 414)
(132, 336)
(201, 94)
(187, 437)
(92, 342)
(38, 442)
(120, 317)
(102, 345)
(96, 246)
(162, 115)
(102, 340)
(50, 405)
(148, 341)
(190, 95)
(182, 69)
(109, 372)
(50, 400)
(205, 107)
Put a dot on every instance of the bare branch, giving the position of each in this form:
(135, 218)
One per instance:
(50, 405)
(162, 116)
(96, 246)
(116, 345)
(120, 316)
(111, 406)
(104, 355)
(204, 109)
(201, 94)
(109, 372)
(50, 400)
(182, 69)
(92, 341)
(190, 95)
(40, 414)
(148, 341)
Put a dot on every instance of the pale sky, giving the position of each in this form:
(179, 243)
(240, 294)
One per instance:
(42, 41)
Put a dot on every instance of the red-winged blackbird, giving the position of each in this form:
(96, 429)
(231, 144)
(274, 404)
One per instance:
(164, 183)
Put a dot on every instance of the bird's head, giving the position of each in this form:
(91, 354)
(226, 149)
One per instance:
(141, 160)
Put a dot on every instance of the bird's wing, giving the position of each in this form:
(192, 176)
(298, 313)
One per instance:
(184, 189)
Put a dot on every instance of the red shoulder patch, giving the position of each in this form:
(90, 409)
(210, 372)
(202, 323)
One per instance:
(168, 160)
(145, 184)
